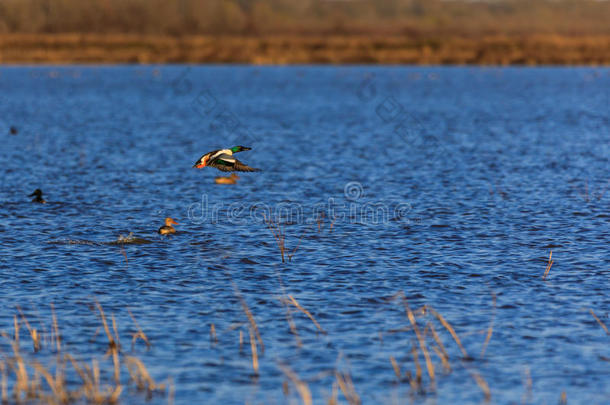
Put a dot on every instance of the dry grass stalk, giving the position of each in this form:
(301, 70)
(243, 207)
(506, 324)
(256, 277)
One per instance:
(36, 339)
(4, 382)
(254, 352)
(483, 385)
(57, 385)
(347, 388)
(420, 339)
(112, 344)
(55, 330)
(241, 340)
(395, 367)
(213, 337)
(171, 391)
(139, 373)
(21, 374)
(296, 247)
(300, 385)
(250, 317)
(418, 373)
(491, 326)
(334, 394)
(600, 322)
(291, 324)
(139, 334)
(450, 329)
(125, 256)
(16, 326)
(280, 238)
(438, 340)
(115, 353)
(294, 302)
(548, 266)
(32, 388)
(443, 357)
(278, 234)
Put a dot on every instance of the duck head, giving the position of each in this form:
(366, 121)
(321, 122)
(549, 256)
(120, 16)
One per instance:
(202, 162)
(170, 221)
(36, 193)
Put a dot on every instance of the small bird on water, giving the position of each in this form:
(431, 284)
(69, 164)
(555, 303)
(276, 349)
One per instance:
(168, 228)
(223, 160)
(37, 194)
(232, 179)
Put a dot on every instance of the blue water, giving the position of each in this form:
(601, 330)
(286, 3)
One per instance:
(451, 185)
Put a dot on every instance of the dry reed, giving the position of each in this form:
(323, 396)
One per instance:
(139, 334)
(279, 234)
(347, 388)
(482, 384)
(420, 340)
(294, 302)
(599, 321)
(395, 367)
(548, 266)
(491, 326)
(450, 329)
(300, 385)
(213, 337)
(254, 352)
(33, 382)
(250, 317)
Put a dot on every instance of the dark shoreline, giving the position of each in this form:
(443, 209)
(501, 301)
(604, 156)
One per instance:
(286, 50)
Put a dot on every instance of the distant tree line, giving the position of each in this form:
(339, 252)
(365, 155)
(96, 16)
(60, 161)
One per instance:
(302, 17)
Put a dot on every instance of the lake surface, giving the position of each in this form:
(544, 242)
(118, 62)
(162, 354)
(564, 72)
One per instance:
(450, 185)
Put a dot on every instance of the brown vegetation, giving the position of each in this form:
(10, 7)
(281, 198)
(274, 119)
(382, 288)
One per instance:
(69, 378)
(308, 31)
(121, 48)
(306, 17)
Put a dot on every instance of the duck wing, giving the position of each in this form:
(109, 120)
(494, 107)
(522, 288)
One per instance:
(227, 163)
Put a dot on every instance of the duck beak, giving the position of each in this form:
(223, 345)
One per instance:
(199, 165)
(174, 222)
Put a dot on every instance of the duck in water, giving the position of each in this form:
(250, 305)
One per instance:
(223, 160)
(37, 194)
(168, 228)
(232, 179)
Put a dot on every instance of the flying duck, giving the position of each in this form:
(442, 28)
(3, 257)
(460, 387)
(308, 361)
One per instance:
(223, 160)
(37, 194)
(168, 228)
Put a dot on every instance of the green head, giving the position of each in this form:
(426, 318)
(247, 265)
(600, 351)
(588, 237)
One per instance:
(236, 149)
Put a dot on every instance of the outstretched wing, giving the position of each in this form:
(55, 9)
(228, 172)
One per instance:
(227, 163)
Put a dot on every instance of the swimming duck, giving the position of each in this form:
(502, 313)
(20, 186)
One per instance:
(168, 228)
(232, 179)
(223, 160)
(37, 194)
